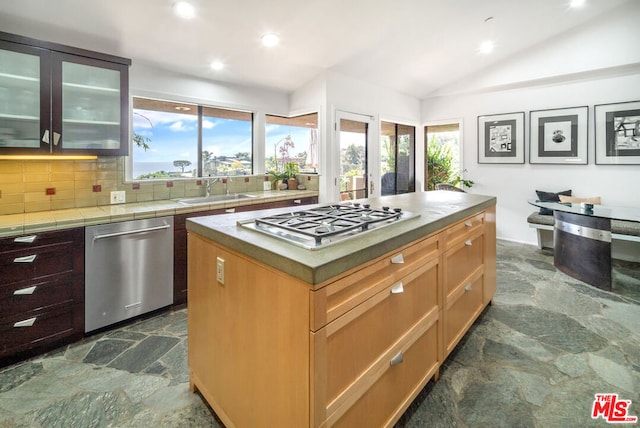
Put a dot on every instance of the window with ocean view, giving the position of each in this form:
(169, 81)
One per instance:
(181, 140)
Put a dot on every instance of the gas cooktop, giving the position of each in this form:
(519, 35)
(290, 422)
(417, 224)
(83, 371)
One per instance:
(321, 226)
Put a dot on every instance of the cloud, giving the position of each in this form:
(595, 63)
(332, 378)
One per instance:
(207, 124)
(180, 126)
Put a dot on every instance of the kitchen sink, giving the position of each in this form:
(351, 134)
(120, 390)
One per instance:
(214, 198)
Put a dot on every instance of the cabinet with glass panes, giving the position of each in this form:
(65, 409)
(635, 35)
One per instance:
(56, 99)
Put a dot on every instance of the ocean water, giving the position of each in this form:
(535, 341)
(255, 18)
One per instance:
(140, 168)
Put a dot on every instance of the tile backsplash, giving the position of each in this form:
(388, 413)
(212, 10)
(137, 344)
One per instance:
(31, 186)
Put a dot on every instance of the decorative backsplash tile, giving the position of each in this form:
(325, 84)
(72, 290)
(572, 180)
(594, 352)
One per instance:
(23, 185)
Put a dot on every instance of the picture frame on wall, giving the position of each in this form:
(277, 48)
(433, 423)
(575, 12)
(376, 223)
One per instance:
(501, 138)
(559, 136)
(618, 133)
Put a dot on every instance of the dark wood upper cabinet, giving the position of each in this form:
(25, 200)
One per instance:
(56, 99)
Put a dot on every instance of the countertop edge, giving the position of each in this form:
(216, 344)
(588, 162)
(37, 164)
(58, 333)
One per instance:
(318, 266)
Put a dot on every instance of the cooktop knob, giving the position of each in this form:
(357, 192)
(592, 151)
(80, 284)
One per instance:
(367, 205)
(356, 204)
(385, 208)
(397, 210)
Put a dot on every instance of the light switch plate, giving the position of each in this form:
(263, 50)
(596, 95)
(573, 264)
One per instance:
(266, 185)
(118, 197)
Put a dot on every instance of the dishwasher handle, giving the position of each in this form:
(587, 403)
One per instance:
(131, 232)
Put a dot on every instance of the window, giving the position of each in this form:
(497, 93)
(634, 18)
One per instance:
(181, 140)
(226, 142)
(291, 139)
(442, 155)
(397, 158)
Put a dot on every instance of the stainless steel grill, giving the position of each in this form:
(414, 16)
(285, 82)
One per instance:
(321, 226)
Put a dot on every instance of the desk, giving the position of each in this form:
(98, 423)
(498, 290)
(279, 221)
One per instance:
(582, 239)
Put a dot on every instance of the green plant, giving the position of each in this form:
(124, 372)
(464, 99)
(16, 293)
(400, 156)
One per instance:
(276, 175)
(291, 169)
(440, 167)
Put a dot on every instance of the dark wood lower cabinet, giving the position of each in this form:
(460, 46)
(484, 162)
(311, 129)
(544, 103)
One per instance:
(41, 293)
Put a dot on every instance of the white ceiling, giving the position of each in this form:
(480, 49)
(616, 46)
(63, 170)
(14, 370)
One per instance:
(412, 46)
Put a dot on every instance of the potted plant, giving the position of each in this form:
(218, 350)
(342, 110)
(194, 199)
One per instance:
(277, 179)
(291, 171)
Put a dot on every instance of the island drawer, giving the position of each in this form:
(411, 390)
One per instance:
(462, 230)
(339, 297)
(462, 306)
(462, 259)
(354, 341)
(393, 381)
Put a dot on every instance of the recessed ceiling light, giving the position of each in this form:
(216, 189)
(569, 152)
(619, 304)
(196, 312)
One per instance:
(184, 9)
(576, 3)
(217, 65)
(182, 108)
(270, 39)
(486, 47)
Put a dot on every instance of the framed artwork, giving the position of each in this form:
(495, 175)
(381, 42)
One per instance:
(559, 136)
(501, 138)
(618, 133)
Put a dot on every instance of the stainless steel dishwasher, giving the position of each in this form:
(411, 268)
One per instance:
(128, 270)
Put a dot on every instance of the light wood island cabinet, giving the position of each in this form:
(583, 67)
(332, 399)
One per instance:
(269, 349)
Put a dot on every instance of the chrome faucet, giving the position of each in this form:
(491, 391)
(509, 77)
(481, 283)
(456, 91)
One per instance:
(208, 182)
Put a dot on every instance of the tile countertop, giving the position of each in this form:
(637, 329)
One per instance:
(18, 224)
(437, 209)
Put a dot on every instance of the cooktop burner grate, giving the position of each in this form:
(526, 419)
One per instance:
(317, 227)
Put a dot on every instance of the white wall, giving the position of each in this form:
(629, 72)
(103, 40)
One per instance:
(596, 64)
(354, 96)
(514, 184)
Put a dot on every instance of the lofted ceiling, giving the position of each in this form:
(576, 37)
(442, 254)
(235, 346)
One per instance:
(412, 46)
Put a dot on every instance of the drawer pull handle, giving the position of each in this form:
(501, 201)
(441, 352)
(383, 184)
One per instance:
(397, 359)
(25, 323)
(398, 288)
(468, 243)
(25, 259)
(25, 239)
(297, 201)
(468, 223)
(468, 287)
(230, 210)
(397, 259)
(25, 291)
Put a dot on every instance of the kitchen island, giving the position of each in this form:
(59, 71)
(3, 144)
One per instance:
(344, 335)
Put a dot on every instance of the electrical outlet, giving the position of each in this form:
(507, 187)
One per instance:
(118, 197)
(220, 270)
(266, 185)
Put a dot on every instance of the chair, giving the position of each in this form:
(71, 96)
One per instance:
(447, 186)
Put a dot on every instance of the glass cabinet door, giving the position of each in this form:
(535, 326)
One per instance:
(90, 103)
(24, 95)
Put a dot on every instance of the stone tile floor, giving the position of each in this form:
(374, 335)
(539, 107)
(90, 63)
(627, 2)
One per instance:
(534, 359)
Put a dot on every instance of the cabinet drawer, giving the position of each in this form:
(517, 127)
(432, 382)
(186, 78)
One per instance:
(397, 386)
(461, 260)
(355, 340)
(462, 306)
(23, 332)
(25, 296)
(462, 230)
(339, 297)
(36, 262)
(40, 239)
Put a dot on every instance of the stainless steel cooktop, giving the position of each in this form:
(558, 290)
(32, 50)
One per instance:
(319, 227)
